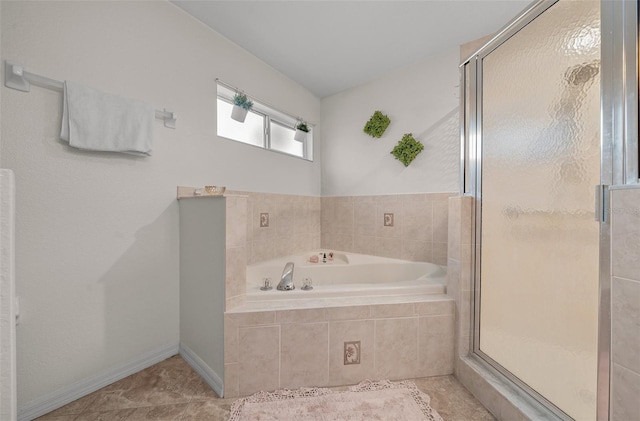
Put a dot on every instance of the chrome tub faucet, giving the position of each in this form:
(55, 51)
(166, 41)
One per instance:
(286, 281)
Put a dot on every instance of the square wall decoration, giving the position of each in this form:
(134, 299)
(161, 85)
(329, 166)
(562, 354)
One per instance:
(377, 124)
(351, 352)
(407, 149)
(264, 220)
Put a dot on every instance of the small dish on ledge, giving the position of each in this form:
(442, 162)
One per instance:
(214, 190)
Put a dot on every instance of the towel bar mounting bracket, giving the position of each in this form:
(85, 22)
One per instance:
(169, 118)
(14, 77)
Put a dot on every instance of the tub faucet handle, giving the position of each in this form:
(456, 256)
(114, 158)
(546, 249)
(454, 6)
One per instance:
(267, 284)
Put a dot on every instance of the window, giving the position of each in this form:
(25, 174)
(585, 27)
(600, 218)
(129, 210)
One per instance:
(264, 127)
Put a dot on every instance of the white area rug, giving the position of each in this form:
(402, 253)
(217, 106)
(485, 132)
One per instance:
(383, 400)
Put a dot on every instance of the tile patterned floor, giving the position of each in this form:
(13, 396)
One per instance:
(172, 391)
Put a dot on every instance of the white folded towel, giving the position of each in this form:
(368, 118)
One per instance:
(98, 121)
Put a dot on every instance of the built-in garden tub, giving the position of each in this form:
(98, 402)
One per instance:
(339, 274)
(393, 319)
(393, 315)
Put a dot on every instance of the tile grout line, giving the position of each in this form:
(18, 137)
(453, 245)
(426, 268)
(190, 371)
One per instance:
(375, 351)
(328, 349)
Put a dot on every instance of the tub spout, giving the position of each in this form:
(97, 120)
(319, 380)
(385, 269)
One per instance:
(286, 281)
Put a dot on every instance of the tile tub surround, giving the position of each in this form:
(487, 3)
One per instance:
(293, 225)
(236, 210)
(350, 223)
(408, 226)
(266, 350)
(625, 304)
(459, 263)
(305, 347)
(233, 241)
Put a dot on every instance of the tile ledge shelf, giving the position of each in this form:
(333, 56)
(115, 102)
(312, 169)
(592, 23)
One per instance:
(310, 303)
(184, 192)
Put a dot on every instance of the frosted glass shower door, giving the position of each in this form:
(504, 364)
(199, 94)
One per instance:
(539, 241)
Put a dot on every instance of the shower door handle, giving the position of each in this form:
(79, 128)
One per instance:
(602, 203)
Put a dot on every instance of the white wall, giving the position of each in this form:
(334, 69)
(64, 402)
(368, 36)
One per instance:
(7, 290)
(202, 282)
(97, 234)
(8, 389)
(421, 99)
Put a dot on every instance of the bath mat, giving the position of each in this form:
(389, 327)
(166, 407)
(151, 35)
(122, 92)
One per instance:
(367, 401)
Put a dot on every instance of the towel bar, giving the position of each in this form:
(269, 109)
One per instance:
(16, 77)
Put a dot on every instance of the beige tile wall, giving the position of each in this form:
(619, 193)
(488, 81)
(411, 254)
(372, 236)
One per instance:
(292, 348)
(419, 232)
(294, 225)
(235, 249)
(460, 249)
(349, 223)
(625, 304)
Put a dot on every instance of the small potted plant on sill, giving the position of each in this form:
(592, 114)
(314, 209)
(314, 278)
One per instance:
(301, 132)
(241, 106)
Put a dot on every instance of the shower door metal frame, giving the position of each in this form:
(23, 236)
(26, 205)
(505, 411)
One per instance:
(619, 165)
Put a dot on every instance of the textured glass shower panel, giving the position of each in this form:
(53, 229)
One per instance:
(539, 239)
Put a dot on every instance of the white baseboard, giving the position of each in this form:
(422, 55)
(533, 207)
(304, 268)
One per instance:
(74, 391)
(200, 367)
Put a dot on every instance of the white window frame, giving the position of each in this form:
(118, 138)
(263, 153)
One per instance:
(269, 114)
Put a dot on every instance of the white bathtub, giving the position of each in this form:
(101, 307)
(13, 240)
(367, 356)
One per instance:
(347, 275)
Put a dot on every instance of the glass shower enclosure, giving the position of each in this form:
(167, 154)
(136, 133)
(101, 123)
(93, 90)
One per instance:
(532, 151)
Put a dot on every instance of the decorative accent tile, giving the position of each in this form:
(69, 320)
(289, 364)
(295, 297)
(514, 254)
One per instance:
(345, 331)
(388, 219)
(351, 352)
(264, 220)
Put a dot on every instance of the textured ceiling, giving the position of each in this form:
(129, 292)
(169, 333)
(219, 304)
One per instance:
(330, 46)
